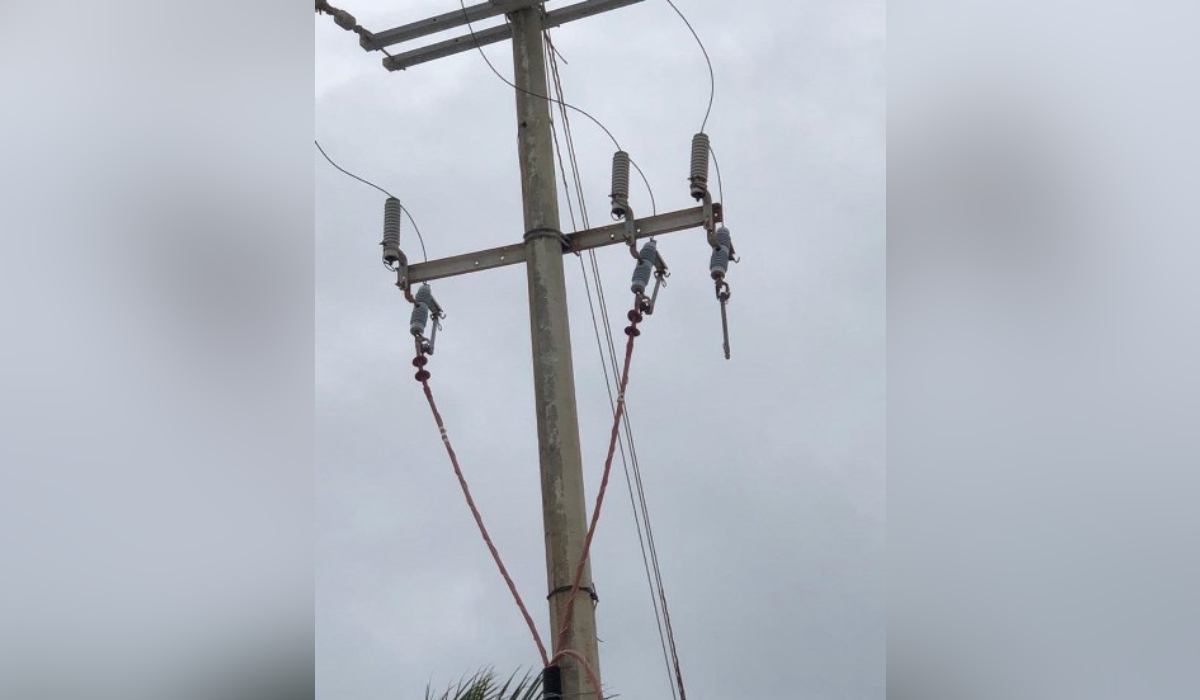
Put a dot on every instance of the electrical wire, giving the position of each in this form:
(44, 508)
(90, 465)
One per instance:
(552, 52)
(403, 208)
(720, 182)
(608, 460)
(597, 122)
(662, 618)
(712, 79)
(512, 587)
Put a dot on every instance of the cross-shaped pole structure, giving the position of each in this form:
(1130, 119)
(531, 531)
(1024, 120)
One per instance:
(563, 503)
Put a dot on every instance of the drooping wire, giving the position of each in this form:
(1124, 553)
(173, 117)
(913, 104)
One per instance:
(712, 80)
(595, 519)
(403, 208)
(597, 122)
(720, 182)
(664, 615)
(579, 191)
(462, 481)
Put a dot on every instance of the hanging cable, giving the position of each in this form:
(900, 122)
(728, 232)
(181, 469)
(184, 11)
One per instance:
(404, 209)
(639, 500)
(712, 79)
(720, 183)
(423, 377)
(632, 331)
(597, 122)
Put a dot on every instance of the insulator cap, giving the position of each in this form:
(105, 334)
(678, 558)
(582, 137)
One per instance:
(645, 267)
(700, 155)
(620, 184)
(724, 238)
(391, 232)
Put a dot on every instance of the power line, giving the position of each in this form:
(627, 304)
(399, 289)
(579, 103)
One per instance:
(661, 618)
(712, 80)
(720, 182)
(597, 122)
(552, 53)
(487, 539)
(403, 208)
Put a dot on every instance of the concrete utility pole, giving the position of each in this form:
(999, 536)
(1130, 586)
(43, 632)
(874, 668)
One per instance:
(564, 509)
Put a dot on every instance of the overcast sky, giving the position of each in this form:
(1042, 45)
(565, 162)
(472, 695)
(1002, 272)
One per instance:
(765, 475)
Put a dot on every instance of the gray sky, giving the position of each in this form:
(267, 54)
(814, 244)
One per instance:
(765, 476)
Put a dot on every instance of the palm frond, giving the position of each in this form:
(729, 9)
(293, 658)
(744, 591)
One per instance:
(483, 686)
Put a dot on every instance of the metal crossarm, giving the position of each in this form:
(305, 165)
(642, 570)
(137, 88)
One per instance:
(583, 240)
(450, 20)
(481, 37)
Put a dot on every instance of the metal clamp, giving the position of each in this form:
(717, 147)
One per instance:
(591, 590)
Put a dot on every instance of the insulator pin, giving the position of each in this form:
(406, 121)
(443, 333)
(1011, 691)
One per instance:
(719, 264)
(645, 267)
(391, 232)
(700, 155)
(421, 309)
(620, 184)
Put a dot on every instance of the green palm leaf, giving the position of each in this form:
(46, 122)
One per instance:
(484, 686)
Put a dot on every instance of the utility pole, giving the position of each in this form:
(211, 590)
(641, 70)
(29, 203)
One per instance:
(564, 509)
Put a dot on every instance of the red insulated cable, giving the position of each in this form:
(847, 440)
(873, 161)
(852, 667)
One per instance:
(632, 332)
(483, 529)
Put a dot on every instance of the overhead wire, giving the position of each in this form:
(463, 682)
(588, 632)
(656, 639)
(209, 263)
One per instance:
(512, 587)
(403, 208)
(552, 53)
(513, 85)
(712, 79)
(662, 618)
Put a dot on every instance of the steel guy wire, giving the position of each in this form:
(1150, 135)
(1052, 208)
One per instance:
(403, 208)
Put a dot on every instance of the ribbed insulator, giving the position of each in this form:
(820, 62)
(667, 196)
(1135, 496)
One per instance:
(620, 183)
(719, 264)
(645, 267)
(420, 314)
(724, 238)
(700, 155)
(391, 231)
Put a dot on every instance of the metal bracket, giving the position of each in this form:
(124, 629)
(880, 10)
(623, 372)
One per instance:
(660, 280)
(710, 219)
(402, 279)
(591, 590)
